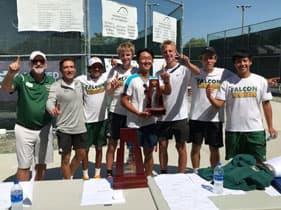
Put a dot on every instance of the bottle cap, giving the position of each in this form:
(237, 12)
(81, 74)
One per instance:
(16, 181)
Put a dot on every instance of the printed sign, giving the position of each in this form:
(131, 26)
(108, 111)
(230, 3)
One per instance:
(50, 15)
(119, 20)
(164, 28)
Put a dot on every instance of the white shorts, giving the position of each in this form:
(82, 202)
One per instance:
(33, 145)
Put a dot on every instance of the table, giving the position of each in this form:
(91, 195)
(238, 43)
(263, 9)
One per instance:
(66, 194)
(252, 200)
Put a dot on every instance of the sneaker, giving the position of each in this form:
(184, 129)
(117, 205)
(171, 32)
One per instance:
(85, 177)
(97, 177)
(195, 170)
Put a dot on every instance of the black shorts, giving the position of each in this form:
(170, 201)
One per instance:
(147, 137)
(115, 122)
(211, 132)
(178, 128)
(68, 141)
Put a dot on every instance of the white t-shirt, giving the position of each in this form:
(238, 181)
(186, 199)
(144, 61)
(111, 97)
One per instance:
(134, 87)
(115, 104)
(201, 108)
(176, 102)
(94, 98)
(243, 97)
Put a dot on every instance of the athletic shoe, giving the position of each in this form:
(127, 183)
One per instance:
(97, 177)
(85, 177)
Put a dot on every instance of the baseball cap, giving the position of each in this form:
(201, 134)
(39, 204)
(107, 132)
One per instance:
(94, 60)
(36, 53)
(210, 50)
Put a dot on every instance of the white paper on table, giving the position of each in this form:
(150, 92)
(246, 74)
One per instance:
(98, 191)
(188, 191)
(272, 191)
(5, 191)
(182, 191)
(275, 163)
(27, 192)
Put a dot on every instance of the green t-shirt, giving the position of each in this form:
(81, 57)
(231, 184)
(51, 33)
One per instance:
(31, 103)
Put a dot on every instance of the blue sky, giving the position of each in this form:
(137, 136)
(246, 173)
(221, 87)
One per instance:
(202, 17)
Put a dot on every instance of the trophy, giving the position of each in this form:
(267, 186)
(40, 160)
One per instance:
(154, 99)
(130, 174)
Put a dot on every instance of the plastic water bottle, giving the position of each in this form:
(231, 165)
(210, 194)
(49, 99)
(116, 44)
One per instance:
(16, 196)
(218, 179)
(270, 137)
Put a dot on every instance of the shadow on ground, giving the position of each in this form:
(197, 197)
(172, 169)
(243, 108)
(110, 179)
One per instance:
(55, 173)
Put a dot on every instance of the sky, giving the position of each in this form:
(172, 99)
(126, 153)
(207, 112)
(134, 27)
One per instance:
(202, 17)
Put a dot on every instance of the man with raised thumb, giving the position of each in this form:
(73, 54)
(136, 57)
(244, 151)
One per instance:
(33, 122)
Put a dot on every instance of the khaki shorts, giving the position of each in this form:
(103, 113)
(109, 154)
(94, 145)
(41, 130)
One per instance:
(33, 146)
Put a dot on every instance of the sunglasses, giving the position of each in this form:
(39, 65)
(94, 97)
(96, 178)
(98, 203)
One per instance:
(42, 61)
(145, 88)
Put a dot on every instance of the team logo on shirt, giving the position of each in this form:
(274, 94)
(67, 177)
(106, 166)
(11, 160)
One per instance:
(94, 89)
(203, 83)
(28, 84)
(244, 92)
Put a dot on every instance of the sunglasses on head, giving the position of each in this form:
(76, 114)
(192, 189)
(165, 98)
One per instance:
(38, 60)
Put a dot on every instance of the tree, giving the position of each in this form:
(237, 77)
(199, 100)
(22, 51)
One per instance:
(99, 39)
(194, 42)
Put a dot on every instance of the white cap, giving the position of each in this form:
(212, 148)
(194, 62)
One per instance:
(36, 53)
(94, 60)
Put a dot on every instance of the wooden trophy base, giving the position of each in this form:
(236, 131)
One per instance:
(136, 179)
(130, 181)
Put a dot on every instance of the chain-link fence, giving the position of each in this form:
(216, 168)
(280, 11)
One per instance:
(263, 40)
(80, 46)
(57, 44)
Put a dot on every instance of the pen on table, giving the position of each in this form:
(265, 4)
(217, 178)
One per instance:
(108, 204)
(207, 187)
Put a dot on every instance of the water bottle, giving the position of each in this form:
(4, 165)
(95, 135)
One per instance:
(218, 179)
(270, 137)
(16, 196)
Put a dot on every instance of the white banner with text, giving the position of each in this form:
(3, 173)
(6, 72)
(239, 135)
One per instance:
(119, 20)
(164, 27)
(50, 15)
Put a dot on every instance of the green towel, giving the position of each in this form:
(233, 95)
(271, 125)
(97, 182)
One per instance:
(242, 173)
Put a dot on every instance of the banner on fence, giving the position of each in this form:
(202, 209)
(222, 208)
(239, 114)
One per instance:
(50, 15)
(164, 27)
(119, 20)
